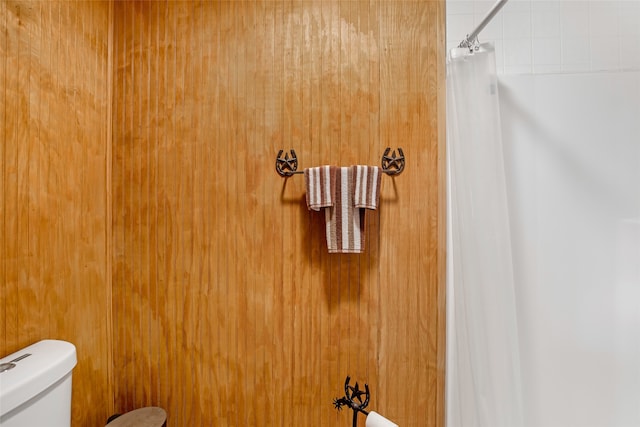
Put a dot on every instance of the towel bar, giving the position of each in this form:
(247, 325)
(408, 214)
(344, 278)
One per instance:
(392, 164)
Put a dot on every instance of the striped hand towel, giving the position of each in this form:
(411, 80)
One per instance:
(343, 192)
(367, 189)
(343, 220)
(320, 186)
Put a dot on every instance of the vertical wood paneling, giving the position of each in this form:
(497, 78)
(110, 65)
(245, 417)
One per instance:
(227, 308)
(4, 200)
(54, 220)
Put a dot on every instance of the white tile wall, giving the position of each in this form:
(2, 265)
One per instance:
(554, 36)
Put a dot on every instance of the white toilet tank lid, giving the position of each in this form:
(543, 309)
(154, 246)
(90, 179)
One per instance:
(47, 362)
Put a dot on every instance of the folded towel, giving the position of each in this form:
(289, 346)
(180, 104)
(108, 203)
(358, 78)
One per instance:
(376, 420)
(344, 193)
(344, 221)
(320, 185)
(367, 190)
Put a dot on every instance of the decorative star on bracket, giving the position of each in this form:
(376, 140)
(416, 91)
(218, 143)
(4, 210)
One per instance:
(286, 166)
(392, 164)
(356, 393)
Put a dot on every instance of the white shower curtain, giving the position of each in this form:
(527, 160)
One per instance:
(483, 370)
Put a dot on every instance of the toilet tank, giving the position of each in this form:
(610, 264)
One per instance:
(35, 385)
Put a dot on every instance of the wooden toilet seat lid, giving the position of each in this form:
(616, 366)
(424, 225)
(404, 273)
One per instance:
(151, 416)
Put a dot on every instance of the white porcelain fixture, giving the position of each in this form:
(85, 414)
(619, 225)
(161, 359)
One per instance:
(35, 385)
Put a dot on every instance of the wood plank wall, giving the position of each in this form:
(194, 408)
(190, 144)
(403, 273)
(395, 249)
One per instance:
(54, 210)
(228, 310)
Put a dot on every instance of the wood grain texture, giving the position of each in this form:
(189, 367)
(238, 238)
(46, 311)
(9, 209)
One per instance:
(221, 303)
(54, 214)
(228, 310)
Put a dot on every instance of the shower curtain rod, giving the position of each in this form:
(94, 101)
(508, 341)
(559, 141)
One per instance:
(471, 37)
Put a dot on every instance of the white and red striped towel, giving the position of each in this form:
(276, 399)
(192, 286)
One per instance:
(344, 192)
